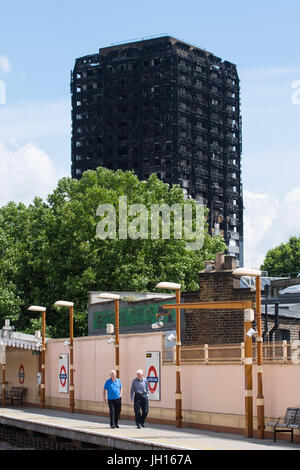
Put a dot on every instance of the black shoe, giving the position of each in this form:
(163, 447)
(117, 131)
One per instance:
(112, 427)
(143, 426)
(138, 426)
(117, 426)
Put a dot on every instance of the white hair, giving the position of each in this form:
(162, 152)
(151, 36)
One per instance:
(113, 372)
(140, 371)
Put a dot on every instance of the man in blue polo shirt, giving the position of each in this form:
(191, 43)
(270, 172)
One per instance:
(113, 387)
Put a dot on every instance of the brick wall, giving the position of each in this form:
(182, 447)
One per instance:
(224, 326)
(292, 324)
(216, 326)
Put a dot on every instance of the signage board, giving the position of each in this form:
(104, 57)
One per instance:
(63, 373)
(153, 374)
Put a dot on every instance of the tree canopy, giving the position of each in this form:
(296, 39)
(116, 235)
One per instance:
(49, 250)
(283, 259)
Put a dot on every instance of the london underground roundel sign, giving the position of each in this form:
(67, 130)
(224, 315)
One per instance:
(21, 374)
(153, 374)
(63, 376)
(152, 379)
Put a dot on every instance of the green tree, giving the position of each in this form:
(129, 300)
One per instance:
(283, 259)
(50, 250)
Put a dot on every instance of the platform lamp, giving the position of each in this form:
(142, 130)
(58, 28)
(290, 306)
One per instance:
(36, 308)
(178, 394)
(259, 398)
(116, 298)
(70, 305)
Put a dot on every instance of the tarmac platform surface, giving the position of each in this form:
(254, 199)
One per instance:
(95, 429)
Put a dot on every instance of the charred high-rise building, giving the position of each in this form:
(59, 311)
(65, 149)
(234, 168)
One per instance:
(164, 106)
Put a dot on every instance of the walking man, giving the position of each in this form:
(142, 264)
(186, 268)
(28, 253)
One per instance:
(140, 392)
(113, 387)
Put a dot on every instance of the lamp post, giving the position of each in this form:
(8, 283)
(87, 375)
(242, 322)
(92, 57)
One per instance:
(3, 362)
(248, 319)
(116, 298)
(36, 308)
(70, 305)
(178, 394)
(260, 397)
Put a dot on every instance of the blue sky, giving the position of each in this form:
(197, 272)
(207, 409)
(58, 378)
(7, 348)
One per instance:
(39, 42)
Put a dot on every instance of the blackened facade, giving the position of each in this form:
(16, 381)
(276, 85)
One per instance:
(164, 106)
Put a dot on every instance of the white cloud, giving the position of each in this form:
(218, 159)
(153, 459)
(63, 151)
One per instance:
(35, 120)
(268, 222)
(288, 216)
(47, 123)
(4, 64)
(271, 146)
(270, 159)
(25, 172)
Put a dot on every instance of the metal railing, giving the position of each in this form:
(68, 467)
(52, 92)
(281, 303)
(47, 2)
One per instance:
(139, 39)
(281, 352)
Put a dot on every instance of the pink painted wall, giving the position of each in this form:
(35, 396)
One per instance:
(16, 357)
(93, 360)
(217, 389)
(209, 388)
(281, 388)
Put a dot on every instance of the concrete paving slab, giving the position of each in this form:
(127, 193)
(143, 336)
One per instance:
(96, 429)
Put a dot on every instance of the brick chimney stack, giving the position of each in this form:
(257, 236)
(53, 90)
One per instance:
(217, 283)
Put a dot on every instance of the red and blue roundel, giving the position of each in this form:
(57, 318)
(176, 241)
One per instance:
(152, 379)
(21, 374)
(63, 376)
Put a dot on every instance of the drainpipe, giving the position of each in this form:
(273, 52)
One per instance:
(266, 323)
(275, 327)
(266, 313)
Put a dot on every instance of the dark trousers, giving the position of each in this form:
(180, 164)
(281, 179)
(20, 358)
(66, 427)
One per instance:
(114, 411)
(141, 408)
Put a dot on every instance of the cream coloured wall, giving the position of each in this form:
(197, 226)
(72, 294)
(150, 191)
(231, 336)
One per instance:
(93, 360)
(205, 388)
(213, 395)
(14, 358)
(281, 388)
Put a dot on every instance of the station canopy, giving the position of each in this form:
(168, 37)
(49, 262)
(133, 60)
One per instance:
(15, 339)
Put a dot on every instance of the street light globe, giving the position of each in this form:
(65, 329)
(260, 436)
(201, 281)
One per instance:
(63, 303)
(37, 308)
(247, 272)
(108, 296)
(168, 285)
